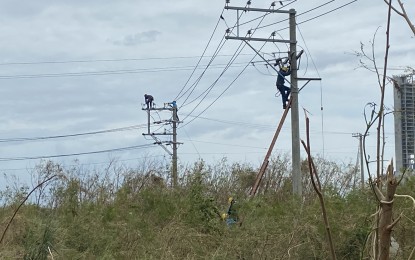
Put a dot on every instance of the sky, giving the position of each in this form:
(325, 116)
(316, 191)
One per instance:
(74, 73)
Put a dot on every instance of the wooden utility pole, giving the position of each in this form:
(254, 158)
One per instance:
(174, 122)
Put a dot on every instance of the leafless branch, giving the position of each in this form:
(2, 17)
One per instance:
(21, 204)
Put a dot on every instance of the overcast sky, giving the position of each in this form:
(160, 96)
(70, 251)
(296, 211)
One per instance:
(76, 67)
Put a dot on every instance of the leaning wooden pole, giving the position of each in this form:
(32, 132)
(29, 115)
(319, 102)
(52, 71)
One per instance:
(271, 147)
(317, 187)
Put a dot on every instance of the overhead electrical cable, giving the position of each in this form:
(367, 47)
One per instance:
(204, 51)
(328, 12)
(104, 60)
(315, 8)
(76, 154)
(209, 89)
(240, 73)
(100, 73)
(88, 164)
(231, 61)
(195, 84)
(321, 90)
(19, 139)
(218, 49)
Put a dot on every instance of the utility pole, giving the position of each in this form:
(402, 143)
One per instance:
(174, 158)
(295, 126)
(174, 122)
(362, 172)
(292, 56)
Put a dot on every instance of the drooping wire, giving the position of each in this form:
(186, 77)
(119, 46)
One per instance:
(321, 90)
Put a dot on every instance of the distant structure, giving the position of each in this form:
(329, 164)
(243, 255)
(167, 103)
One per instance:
(404, 114)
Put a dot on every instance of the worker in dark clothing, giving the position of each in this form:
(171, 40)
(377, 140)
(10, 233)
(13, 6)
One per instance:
(284, 90)
(149, 101)
(231, 216)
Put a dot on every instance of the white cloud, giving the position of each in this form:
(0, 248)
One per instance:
(127, 30)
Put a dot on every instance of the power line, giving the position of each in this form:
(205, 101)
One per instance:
(222, 91)
(88, 164)
(101, 73)
(195, 84)
(204, 51)
(75, 154)
(312, 9)
(218, 49)
(237, 52)
(20, 139)
(233, 145)
(209, 89)
(106, 60)
(251, 33)
(335, 9)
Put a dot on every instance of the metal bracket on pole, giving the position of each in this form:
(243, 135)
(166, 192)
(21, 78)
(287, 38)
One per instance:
(249, 9)
(308, 81)
(174, 121)
(161, 144)
(255, 39)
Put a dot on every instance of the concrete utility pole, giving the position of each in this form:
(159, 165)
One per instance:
(295, 126)
(174, 121)
(174, 158)
(296, 160)
(362, 171)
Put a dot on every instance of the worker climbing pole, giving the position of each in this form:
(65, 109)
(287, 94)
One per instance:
(292, 57)
(287, 67)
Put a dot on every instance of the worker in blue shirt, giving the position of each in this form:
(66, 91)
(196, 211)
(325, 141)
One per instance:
(284, 90)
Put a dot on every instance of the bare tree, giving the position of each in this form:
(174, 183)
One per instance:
(384, 221)
(402, 12)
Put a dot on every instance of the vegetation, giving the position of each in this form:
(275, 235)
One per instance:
(121, 213)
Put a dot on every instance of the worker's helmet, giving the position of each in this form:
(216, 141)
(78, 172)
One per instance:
(284, 68)
(224, 216)
(230, 200)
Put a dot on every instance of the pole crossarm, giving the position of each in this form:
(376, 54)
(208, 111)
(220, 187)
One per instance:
(171, 106)
(308, 79)
(152, 134)
(256, 39)
(162, 146)
(158, 109)
(248, 9)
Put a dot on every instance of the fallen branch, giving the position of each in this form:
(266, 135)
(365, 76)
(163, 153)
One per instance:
(21, 204)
